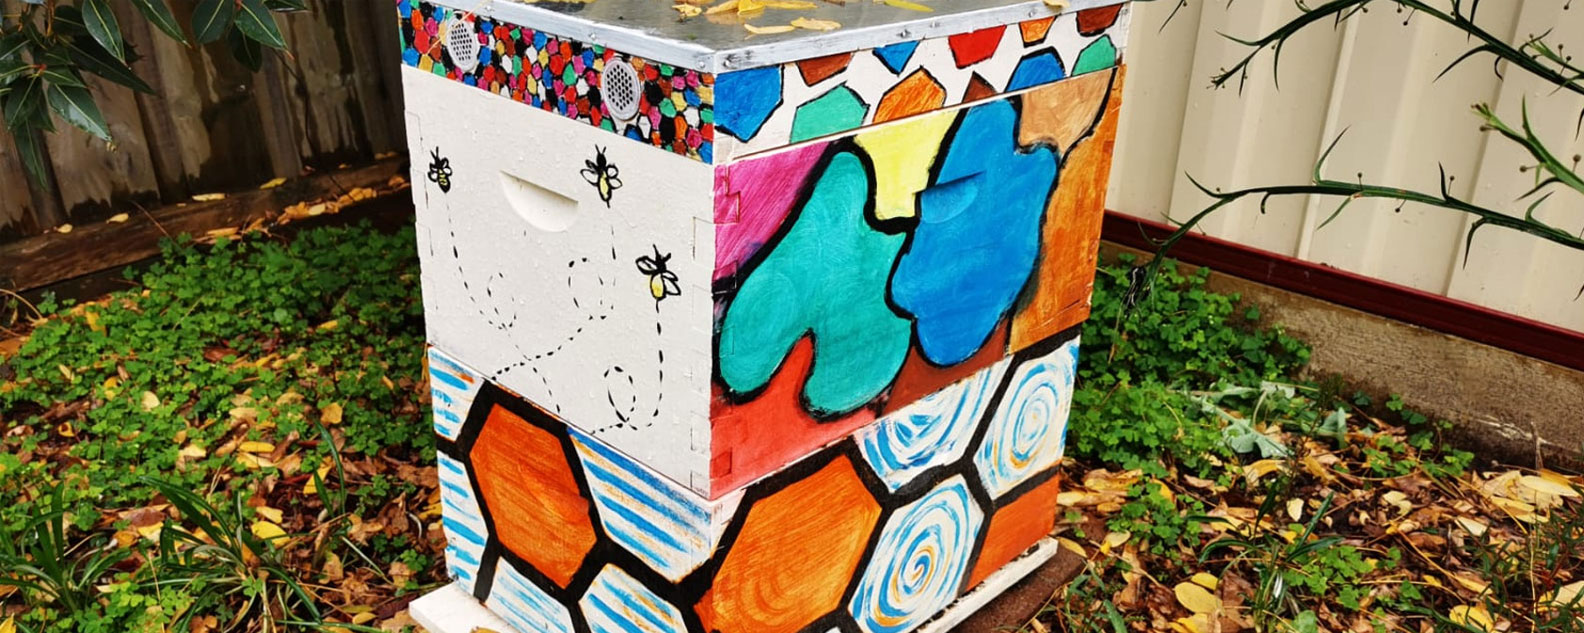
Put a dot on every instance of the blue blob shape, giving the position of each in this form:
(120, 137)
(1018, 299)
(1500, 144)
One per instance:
(1037, 70)
(485, 55)
(539, 40)
(896, 56)
(978, 235)
(410, 57)
(707, 152)
(404, 9)
(745, 99)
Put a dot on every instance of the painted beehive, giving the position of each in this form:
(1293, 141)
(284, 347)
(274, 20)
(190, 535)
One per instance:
(754, 335)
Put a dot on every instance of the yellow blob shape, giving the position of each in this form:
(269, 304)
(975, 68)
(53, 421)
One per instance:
(902, 155)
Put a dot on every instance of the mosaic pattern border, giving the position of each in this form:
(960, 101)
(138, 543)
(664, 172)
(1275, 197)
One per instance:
(563, 76)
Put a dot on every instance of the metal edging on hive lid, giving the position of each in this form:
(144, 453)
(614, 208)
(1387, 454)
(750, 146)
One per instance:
(651, 28)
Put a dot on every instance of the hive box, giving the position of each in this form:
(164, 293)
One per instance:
(752, 334)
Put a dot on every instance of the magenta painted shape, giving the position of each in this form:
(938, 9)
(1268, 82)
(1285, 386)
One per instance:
(753, 198)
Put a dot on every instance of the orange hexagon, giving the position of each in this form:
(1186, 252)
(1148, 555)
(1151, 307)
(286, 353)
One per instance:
(798, 550)
(531, 493)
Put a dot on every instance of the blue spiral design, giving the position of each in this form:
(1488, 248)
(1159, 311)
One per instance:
(930, 432)
(1026, 434)
(919, 563)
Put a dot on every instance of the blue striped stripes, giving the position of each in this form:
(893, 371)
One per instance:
(618, 603)
(465, 529)
(452, 388)
(665, 526)
(524, 605)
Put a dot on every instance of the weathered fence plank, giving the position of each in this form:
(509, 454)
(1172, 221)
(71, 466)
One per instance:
(212, 125)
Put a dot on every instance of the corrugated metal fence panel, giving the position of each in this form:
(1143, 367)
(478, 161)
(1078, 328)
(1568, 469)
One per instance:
(211, 125)
(1372, 81)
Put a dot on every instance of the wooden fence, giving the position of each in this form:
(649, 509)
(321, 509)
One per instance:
(212, 125)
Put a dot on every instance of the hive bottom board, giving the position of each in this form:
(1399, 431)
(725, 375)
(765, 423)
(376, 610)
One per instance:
(452, 610)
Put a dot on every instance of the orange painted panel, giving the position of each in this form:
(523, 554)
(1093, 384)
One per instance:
(917, 94)
(1034, 31)
(1016, 528)
(531, 491)
(798, 550)
(756, 438)
(1065, 276)
(822, 68)
(920, 378)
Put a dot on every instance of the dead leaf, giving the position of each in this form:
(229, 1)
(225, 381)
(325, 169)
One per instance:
(267, 531)
(118, 218)
(769, 30)
(150, 401)
(209, 197)
(816, 25)
(273, 183)
(1473, 616)
(1196, 598)
(331, 414)
(64, 228)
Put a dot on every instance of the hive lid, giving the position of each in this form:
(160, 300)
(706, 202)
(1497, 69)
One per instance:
(651, 28)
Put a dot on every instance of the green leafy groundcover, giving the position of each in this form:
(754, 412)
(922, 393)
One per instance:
(232, 370)
(240, 442)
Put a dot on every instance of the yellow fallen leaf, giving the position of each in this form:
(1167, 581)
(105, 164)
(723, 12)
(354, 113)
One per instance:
(64, 228)
(728, 5)
(1397, 499)
(1295, 508)
(688, 10)
(769, 30)
(331, 414)
(363, 618)
(1473, 526)
(271, 514)
(1072, 546)
(1195, 598)
(796, 5)
(150, 401)
(1196, 623)
(1261, 468)
(324, 473)
(1473, 616)
(209, 197)
(1206, 580)
(273, 183)
(905, 4)
(194, 451)
(816, 25)
(8, 626)
(1565, 596)
(118, 218)
(256, 447)
(267, 531)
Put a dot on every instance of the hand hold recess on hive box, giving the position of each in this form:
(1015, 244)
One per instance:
(541, 208)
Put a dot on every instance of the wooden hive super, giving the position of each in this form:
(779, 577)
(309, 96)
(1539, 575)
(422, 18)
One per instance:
(752, 335)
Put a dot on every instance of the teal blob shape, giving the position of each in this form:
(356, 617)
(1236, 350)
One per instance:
(826, 278)
(836, 111)
(1100, 55)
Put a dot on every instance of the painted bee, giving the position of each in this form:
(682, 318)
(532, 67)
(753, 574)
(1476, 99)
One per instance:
(603, 175)
(440, 171)
(662, 282)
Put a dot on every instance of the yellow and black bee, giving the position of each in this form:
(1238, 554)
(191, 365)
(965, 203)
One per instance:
(604, 175)
(662, 282)
(440, 171)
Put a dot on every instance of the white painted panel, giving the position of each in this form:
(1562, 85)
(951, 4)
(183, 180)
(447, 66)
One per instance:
(1375, 79)
(532, 278)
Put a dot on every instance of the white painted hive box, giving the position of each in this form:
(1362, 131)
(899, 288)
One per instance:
(691, 294)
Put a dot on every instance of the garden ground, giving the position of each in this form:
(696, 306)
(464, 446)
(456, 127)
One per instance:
(241, 443)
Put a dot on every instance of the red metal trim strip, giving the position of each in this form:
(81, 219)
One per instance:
(1450, 316)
